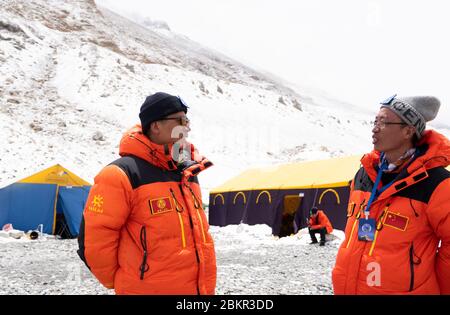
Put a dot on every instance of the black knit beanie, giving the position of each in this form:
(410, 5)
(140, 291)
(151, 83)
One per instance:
(158, 106)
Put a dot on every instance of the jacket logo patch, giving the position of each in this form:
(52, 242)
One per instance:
(96, 204)
(160, 205)
(396, 221)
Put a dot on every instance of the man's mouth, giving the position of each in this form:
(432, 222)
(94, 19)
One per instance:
(374, 139)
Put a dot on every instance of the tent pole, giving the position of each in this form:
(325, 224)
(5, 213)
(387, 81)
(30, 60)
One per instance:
(54, 210)
(315, 197)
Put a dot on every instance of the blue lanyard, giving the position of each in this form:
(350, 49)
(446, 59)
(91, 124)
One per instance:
(375, 192)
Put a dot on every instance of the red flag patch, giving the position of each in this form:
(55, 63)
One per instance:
(160, 205)
(396, 221)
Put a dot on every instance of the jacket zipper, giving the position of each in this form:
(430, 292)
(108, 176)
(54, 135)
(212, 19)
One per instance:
(144, 266)
(190, 219)
(412, 207)
(183, 238)
(179, 209)
(378, 227)
(373, 242)
(351, 207)
(357, 216)
(197, 207)
(192, 229)
(201, 226)
(411, 268)
(412, 255)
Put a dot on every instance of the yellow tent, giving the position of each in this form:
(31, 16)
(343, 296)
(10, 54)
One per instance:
(266, 195)
(53, 198)
(56, 174)
(336, 172)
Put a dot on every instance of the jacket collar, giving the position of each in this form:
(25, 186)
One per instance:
(434, 151)
(134, 142)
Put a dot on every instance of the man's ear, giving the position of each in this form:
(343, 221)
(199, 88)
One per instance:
(154, 128)
(409, 132)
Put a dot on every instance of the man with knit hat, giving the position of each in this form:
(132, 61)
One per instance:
(397, 239)
(144, 230)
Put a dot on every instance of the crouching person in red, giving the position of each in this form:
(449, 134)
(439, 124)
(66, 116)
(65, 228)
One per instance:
(319, 223)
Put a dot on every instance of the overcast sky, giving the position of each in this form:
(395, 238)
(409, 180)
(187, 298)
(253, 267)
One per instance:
(360, 51)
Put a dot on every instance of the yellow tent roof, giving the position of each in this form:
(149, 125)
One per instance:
(334, 172)
(55, 174)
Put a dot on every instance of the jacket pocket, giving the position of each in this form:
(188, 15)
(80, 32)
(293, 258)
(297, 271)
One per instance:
(144, 267)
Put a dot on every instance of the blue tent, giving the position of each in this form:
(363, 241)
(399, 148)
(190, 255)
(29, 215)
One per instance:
(54, 197)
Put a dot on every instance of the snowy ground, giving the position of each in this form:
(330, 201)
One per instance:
(249, 260)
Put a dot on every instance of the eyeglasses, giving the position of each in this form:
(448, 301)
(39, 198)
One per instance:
(382, 124)
(184, 121)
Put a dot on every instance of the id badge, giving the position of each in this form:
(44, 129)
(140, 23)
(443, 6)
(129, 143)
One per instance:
(366, 230)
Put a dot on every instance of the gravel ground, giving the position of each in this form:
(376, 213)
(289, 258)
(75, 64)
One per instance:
(250, 261)
(45, 267)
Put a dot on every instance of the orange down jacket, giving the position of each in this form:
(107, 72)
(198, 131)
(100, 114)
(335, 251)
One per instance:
(320, 220)
(144, 230)
(410, 253)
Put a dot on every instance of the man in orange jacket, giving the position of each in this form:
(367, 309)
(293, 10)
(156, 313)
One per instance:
(319, 223)
(144, 230)
(397, 238)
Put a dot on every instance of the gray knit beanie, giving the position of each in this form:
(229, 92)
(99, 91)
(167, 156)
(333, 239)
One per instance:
(414, 110)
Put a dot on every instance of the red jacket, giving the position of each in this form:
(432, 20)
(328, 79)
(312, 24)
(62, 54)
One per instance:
(144, 230)
(412, 218)
(320, 220)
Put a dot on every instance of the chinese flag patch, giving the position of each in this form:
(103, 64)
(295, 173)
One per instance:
(396, 221)
(160, 205)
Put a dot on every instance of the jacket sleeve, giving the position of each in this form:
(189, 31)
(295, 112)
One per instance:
(438, 213)
(324, 222)
(321, 220)
(107, 208)
(316, 227)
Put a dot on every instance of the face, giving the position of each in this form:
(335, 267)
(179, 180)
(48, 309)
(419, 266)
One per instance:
(170, 129)
(391, 136)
